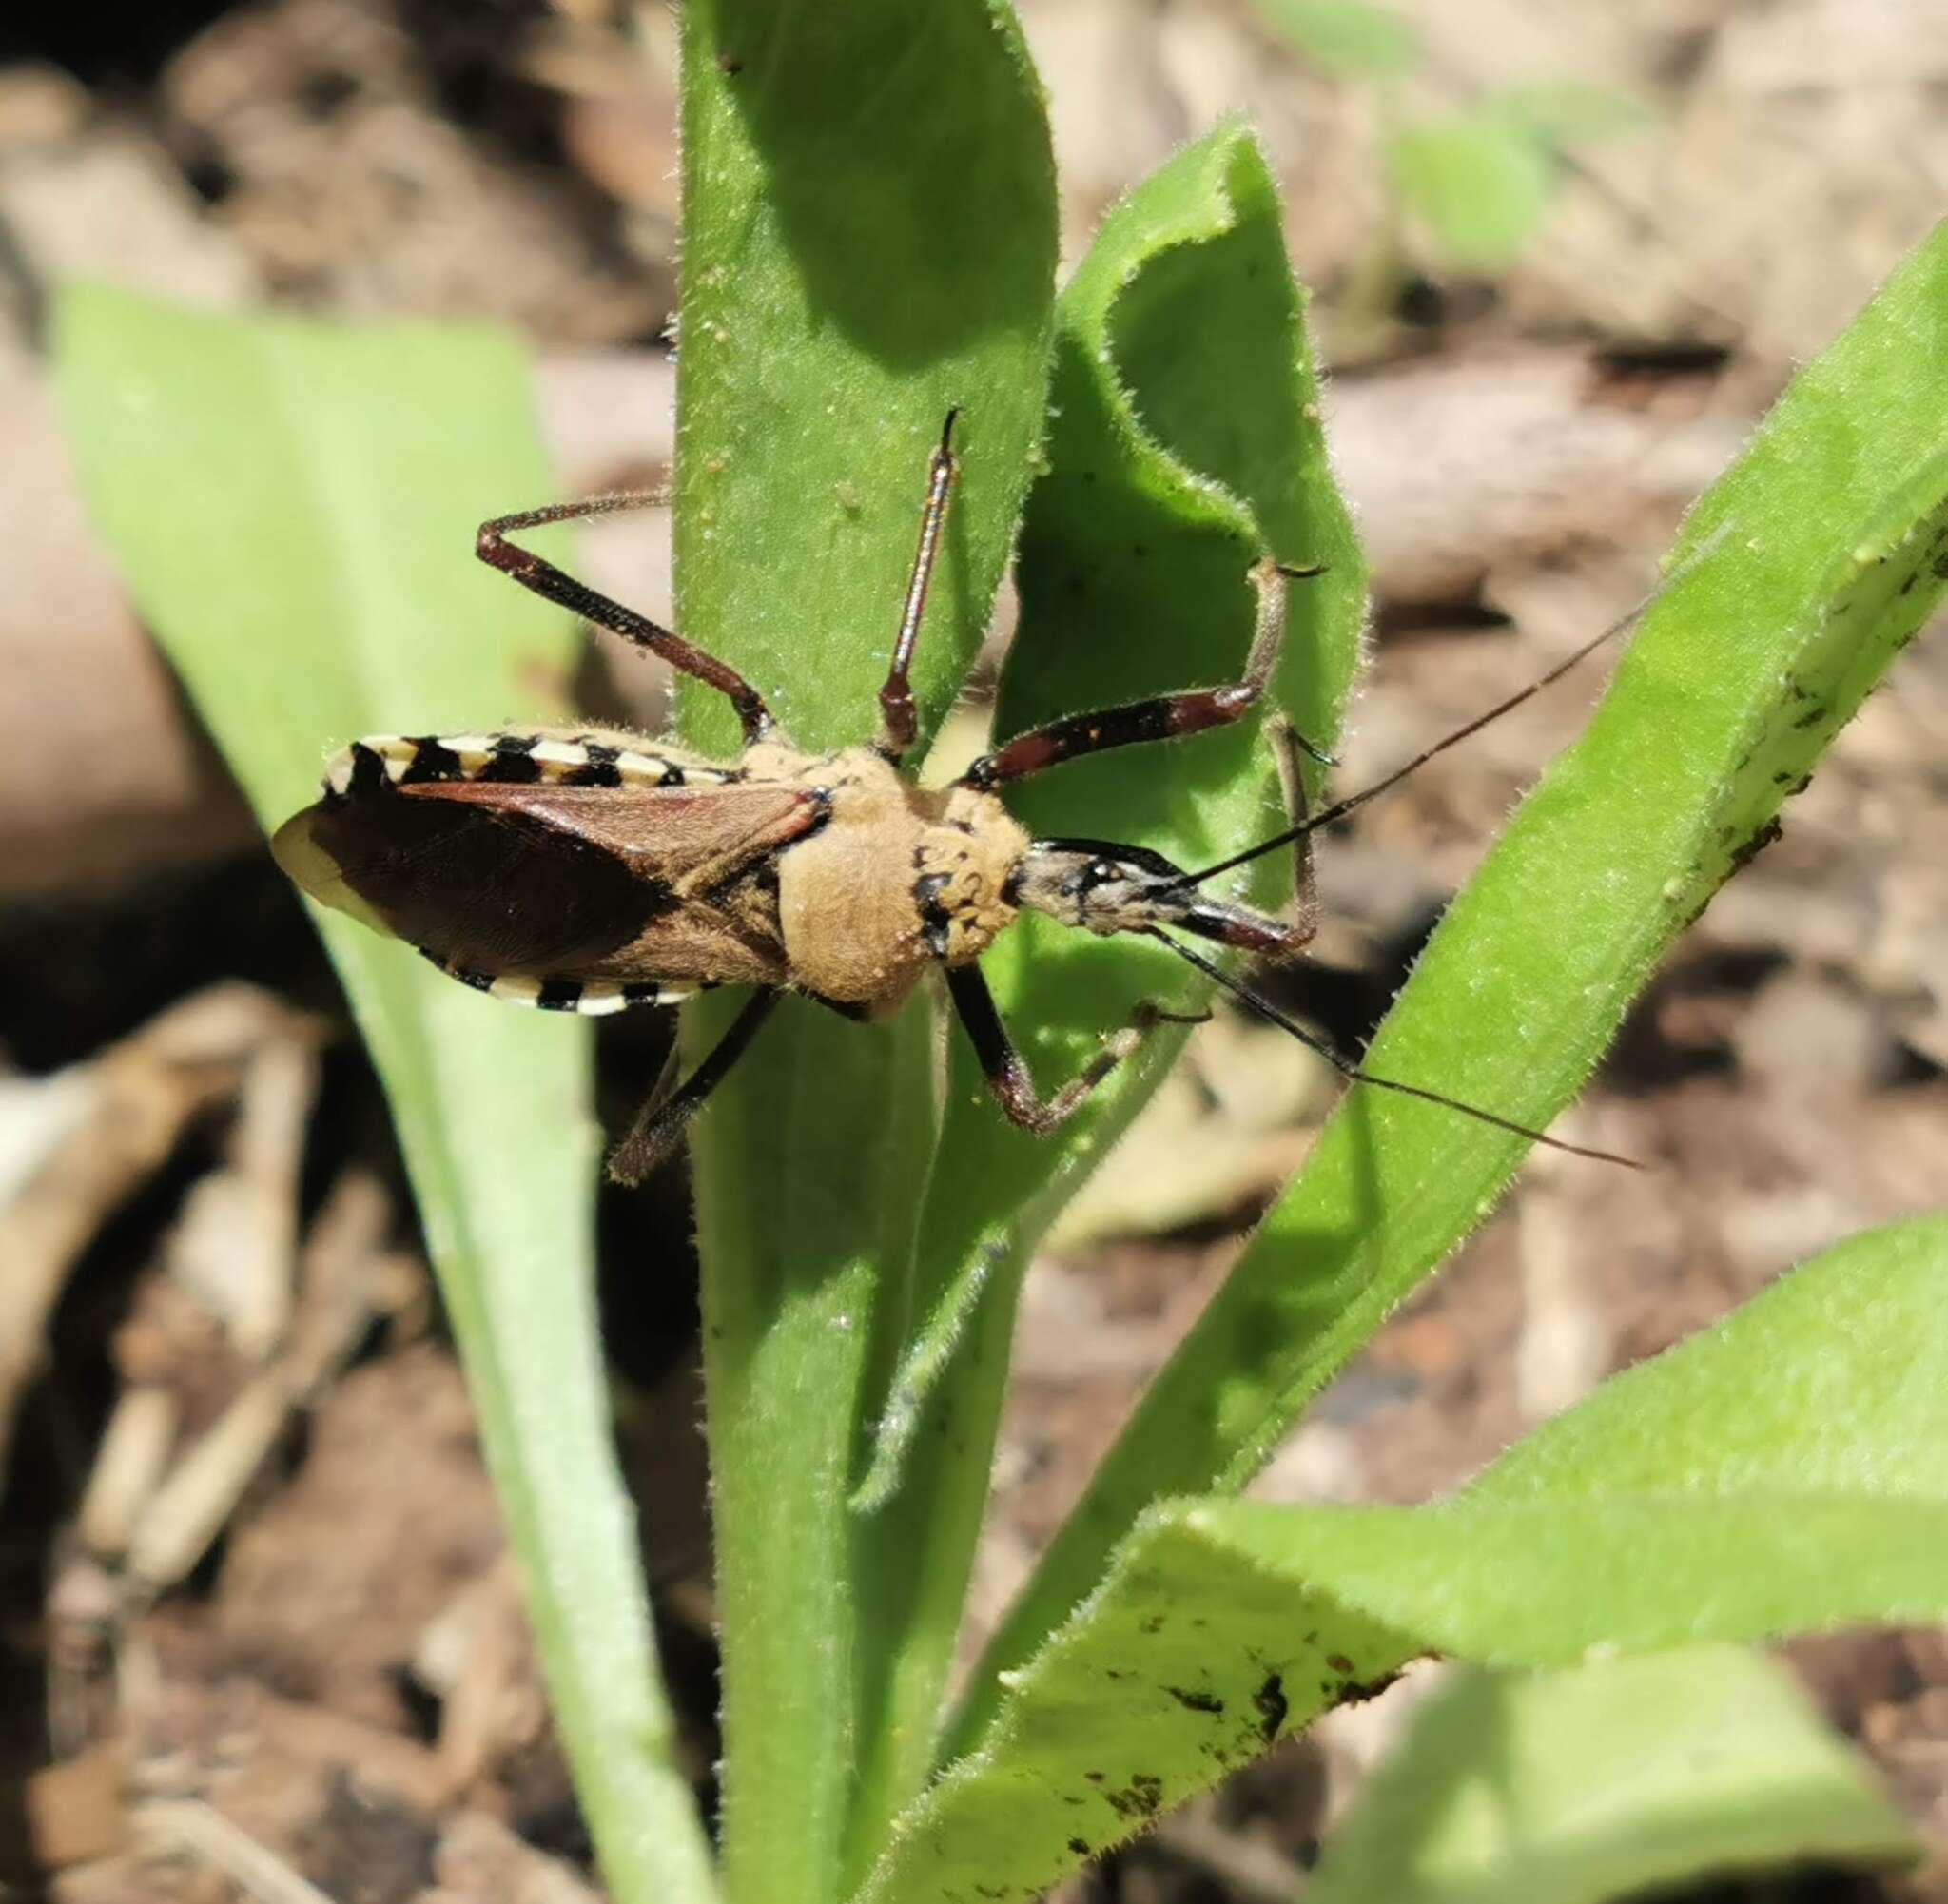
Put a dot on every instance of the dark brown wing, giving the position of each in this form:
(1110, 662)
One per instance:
(662, 832)
(529, 879)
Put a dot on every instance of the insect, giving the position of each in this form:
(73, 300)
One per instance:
(590, 869)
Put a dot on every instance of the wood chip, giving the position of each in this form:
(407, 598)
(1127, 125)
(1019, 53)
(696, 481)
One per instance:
(76, 1810)
(138, 1096)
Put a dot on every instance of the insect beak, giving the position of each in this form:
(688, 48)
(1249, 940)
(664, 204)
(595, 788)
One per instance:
(1105, 889)
(1234, 925)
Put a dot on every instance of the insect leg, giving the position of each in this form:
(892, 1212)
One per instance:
(898, 722)
(1304, 919)
(659, 1125)
(1162, 718)
(545, 579)
(1007, 1076)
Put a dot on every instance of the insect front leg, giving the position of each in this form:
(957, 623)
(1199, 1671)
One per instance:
(1167, 716)
(555, 585)
(1007, 1076)
(1303, 919)
(659, 1125)
(898, 722)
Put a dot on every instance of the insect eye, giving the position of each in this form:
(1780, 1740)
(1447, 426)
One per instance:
(1101, 871)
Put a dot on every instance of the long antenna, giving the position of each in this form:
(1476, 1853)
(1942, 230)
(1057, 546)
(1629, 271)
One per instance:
(1341, 808)
(1349, 1071)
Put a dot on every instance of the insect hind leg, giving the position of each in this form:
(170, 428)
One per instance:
(665, 1114)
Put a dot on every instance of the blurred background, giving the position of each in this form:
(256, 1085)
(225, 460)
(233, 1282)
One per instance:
(1564, 253)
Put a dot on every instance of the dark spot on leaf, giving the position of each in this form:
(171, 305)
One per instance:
(1142, 1798)
(1339, 1662)
(1757, 844)
(1940, 565)
(1359, 1691)
(1079, 1846)
(1272, 1706)
(729, 64)
(1692, 917)
(1094, 1777)
(1811, 718)
(1196, 1701)
(1152, 1623)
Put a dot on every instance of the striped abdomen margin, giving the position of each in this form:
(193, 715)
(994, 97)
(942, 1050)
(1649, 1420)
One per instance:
(512, 758)
(592, 998)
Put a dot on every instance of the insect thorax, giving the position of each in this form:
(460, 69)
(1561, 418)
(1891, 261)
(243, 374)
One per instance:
(899, 877)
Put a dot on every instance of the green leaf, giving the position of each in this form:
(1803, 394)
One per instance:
(1479, 181)
(1803, 571)
(869, 242)
(293, 508)
(1681, 1503)
(1347, 38)
(1604, 1780)
(869, 239)
(1222, 1627)
(1833, 1382)
(1184, 440)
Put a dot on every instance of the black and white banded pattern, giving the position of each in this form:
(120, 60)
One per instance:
(591, 997)
(512, 758)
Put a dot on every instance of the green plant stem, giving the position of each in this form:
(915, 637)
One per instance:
(788, 1199)
(869, 242)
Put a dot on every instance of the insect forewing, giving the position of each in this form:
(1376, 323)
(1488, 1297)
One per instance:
(550, 881)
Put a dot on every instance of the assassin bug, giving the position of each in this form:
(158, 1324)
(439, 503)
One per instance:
(591, 869)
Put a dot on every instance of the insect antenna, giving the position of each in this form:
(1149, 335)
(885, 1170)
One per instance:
(1354, 1075)
(1339, 809)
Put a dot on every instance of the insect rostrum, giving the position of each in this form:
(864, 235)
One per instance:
(590, 869)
